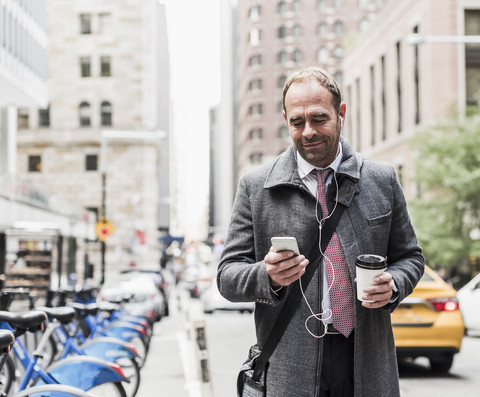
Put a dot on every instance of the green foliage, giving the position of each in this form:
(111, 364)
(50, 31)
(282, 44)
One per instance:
(447, 167)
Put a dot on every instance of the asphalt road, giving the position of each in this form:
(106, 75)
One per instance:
(171, 368)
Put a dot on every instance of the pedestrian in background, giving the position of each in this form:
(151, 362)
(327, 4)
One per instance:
(314, 357)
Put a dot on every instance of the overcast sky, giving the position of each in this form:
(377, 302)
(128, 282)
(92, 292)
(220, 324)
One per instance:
(194, 40)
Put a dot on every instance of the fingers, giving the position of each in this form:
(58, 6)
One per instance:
(284, 267)
(380, 293)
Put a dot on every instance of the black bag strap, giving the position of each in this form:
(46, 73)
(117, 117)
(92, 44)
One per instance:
(294, 297)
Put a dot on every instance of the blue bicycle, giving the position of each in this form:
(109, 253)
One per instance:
(63, 330)
(7, 338)
(86, 373)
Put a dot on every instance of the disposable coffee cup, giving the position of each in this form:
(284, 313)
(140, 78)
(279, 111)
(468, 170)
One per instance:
(368, 267)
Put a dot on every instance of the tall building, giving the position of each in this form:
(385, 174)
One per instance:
(100, 141)
(38, 229)
(411, 67)
(275, 38)
(222, 127)
(23, 69)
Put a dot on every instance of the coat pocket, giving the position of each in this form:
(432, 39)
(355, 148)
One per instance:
(380, 219)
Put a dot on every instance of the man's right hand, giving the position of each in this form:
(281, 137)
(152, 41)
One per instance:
(284, 268)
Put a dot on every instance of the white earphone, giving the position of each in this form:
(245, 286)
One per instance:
(341, 122)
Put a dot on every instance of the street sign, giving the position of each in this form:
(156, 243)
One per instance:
(104, 229)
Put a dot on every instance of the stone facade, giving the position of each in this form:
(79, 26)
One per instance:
(393, 86)
(104, 76)
(274, 39)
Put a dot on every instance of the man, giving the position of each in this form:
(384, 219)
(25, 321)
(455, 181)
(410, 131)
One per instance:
(314, 358)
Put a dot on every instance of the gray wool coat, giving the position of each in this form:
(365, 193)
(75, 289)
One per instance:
(273, 201)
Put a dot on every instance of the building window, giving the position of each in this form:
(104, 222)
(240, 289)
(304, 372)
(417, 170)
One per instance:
(254, 37)
(84, 114)
(85, 24)
(297, 56)
(416, 74)
(106, 113)
(399, 86)
(255, 84)
(256, 158)
(338, 77)
(91, 162)
(338, 52)
(255, 60)
(383, 97)
(358, 113)
(322, 29)
(322, 5)
(105, 66)
(254, 13)
(281, 81)
(282, 57)
(472, 57)
(363, 4)
(364, 24)
(400, 173)
(283, 132)
(282, 7)
(297, 31)
(282, 32)
(104, 22)
(338, 28)
(255, 109)
(322, 55)
(44, 117)
(85, 67)
(297, 6)
(22, 118)
(34, 163)
(256, 134)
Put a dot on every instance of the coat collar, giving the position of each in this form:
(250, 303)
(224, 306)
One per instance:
(284, 169)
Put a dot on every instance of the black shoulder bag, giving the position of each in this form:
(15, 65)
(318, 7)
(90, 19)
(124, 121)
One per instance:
(251, 379)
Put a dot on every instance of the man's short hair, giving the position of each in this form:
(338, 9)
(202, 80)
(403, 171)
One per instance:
(322, 76)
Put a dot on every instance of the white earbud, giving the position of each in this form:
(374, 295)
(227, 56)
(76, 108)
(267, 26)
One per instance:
(341, 122)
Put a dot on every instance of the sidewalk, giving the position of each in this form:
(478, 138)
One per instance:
(163, 372)
(171, 367)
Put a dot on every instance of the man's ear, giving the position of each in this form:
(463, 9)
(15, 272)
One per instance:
(284, 115)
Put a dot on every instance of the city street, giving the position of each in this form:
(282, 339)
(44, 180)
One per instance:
(170, 369)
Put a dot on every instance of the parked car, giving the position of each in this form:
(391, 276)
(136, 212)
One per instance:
(469, 298)
(145, 299)
(212, 300)
(428, 323)
(161, 279)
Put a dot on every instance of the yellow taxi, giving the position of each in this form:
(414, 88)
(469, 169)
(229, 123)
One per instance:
(428, 323)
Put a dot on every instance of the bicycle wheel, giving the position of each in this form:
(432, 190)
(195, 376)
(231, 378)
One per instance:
(109, 389)
(7, 374)
(142, 349)
(131, 371)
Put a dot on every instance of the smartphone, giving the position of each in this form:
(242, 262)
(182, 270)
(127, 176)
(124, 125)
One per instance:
(285, 244)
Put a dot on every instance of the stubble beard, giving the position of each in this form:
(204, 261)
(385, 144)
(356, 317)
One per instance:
(323, 156)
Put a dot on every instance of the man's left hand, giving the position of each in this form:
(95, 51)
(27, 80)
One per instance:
(380, 293)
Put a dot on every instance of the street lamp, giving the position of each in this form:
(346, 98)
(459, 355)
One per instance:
(119, 136)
